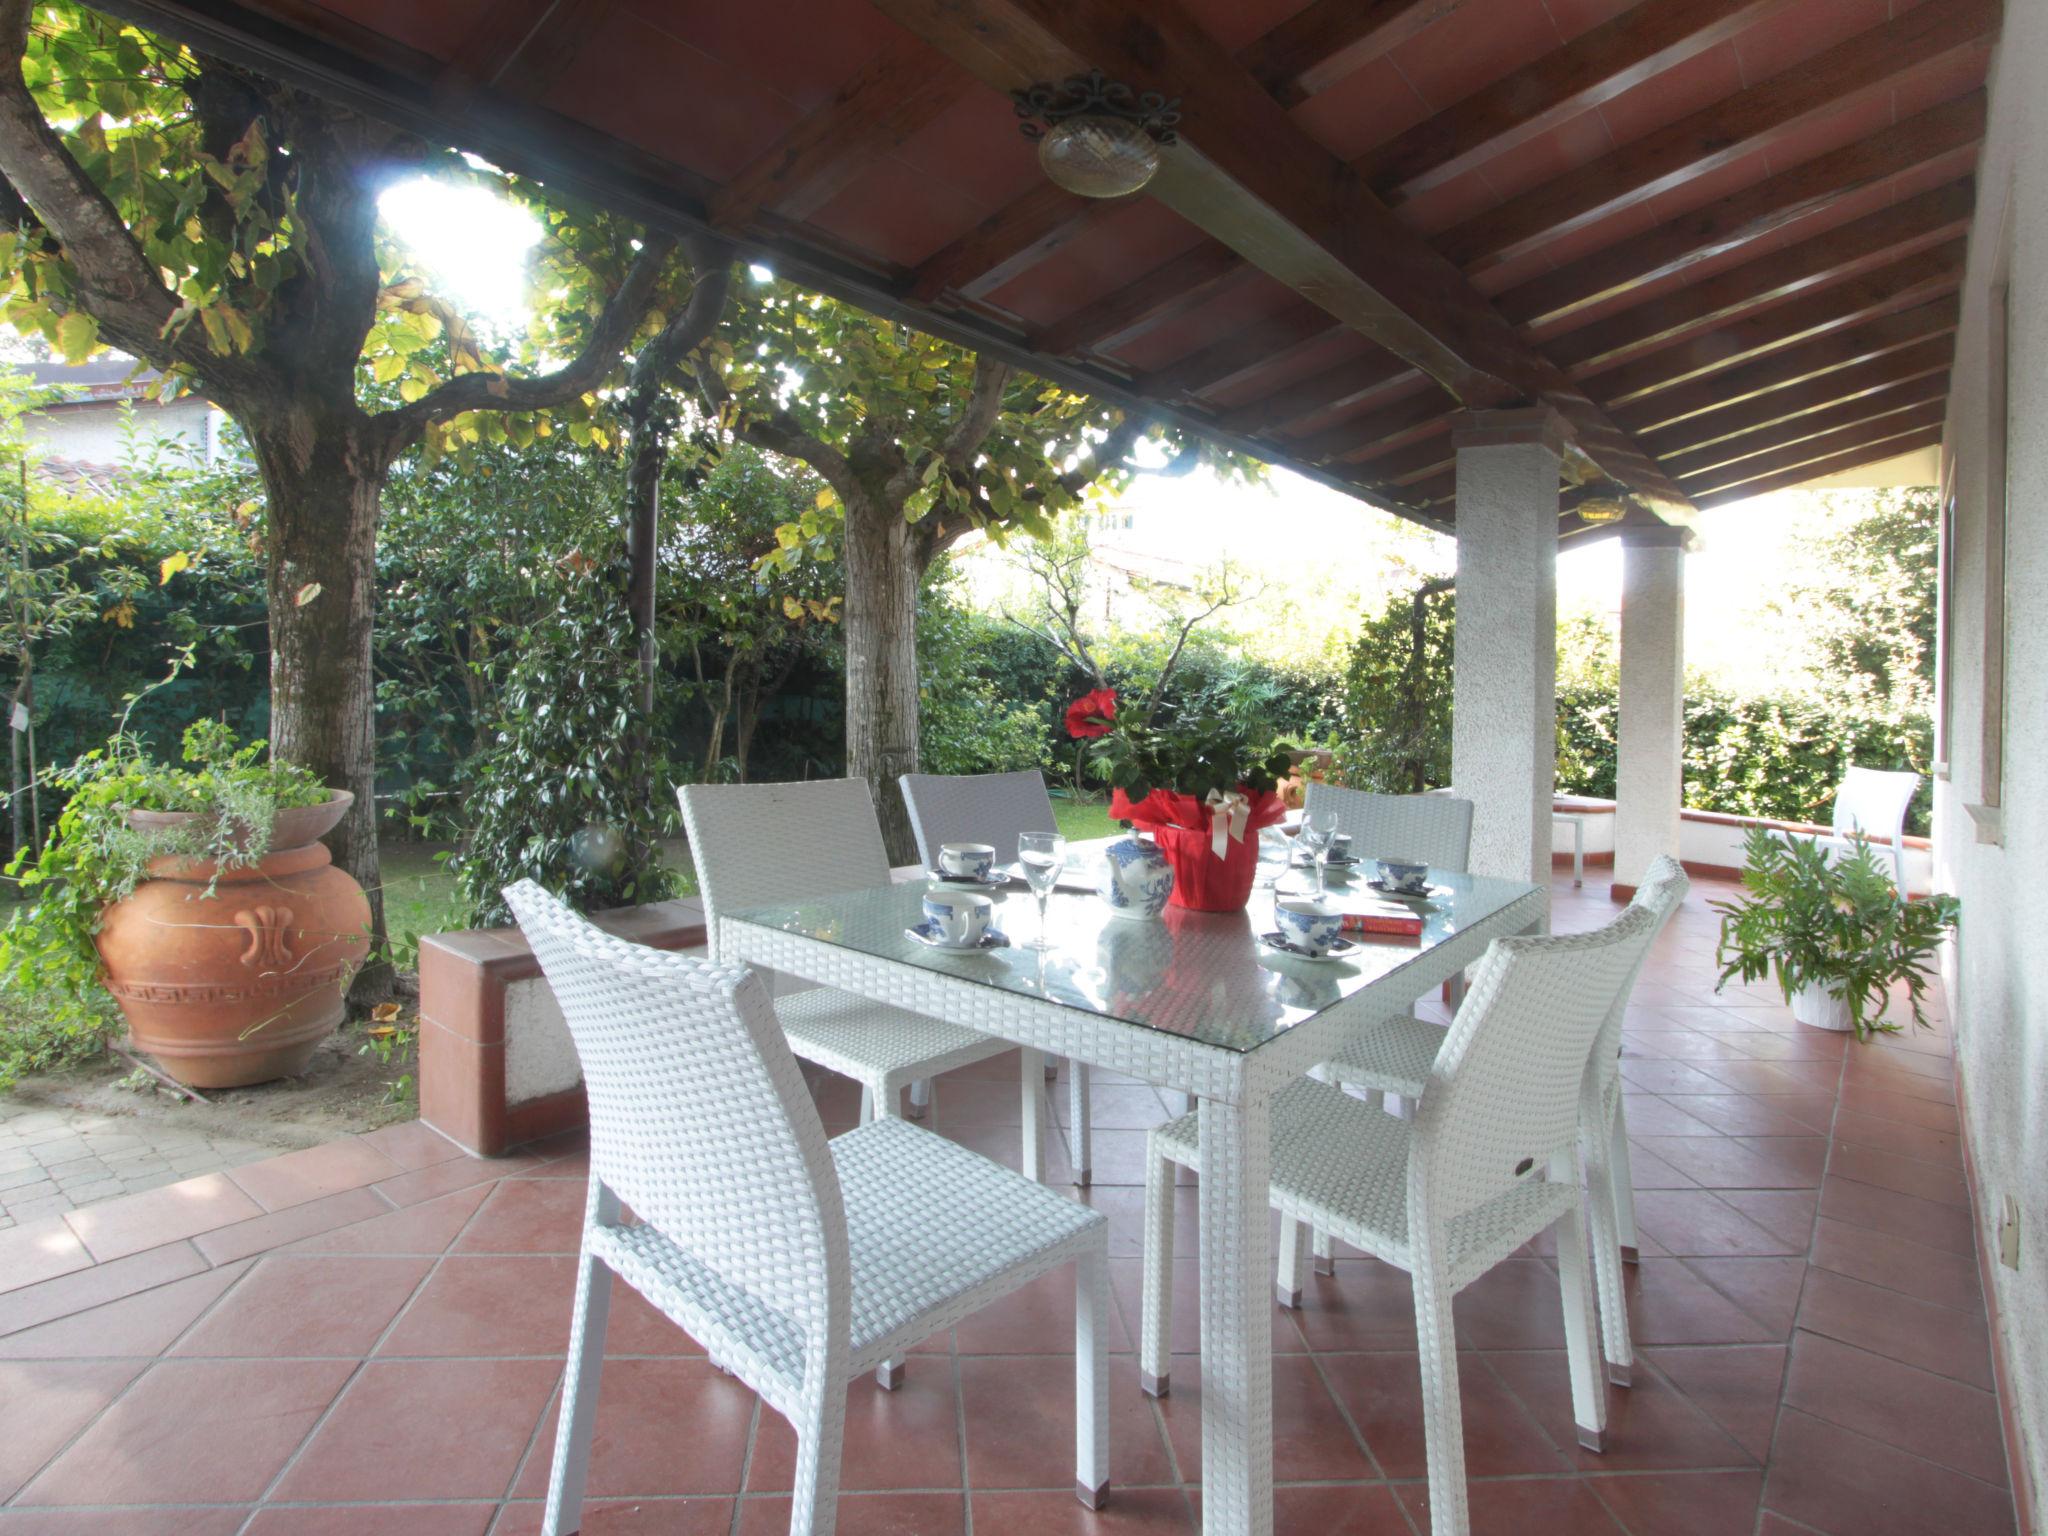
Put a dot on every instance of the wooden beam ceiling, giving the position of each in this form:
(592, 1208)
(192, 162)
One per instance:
(1806, 450)
(1246, 173)
(1636, 46)
(1949, 132)
(1853, 458)
(1754, 119)
(1167, 290)
(1817, 393)
(1929, 389)
(1770, 279)
(1328, 39)
(1823, 355)
(1911, 280)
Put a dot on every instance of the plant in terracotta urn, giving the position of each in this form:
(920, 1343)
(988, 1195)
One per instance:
(1198, 785)
(202, 899)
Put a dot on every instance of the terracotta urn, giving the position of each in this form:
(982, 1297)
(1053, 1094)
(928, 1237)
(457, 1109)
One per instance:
(241, 985)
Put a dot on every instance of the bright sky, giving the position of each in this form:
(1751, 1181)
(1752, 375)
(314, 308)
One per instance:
(472, 242)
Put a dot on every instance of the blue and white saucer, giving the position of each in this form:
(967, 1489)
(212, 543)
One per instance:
(996, 881)
(1343, 949)
(927, 934)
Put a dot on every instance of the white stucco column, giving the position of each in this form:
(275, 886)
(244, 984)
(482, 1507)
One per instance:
(1650, 775)
(1504, 709)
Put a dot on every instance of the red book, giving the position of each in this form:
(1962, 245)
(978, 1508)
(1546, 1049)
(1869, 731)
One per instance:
(1389, 922)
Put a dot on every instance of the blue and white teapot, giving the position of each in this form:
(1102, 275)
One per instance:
(1136, 879)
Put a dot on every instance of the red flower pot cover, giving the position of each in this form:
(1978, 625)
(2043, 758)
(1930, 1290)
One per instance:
(1180, 825)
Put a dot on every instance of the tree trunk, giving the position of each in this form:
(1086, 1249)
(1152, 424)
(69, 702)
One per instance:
(883, 567)
(324, 483)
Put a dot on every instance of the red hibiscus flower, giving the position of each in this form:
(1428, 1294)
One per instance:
(1093, 714)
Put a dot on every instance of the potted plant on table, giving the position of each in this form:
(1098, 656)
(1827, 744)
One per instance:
(1835, 931)
(1198, 786)
(202, 899)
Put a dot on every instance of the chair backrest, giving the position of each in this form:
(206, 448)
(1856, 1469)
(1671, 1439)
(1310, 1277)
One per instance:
(756, 844)
(1661, 894)
(1436, 829)
(976, 808)
(1874, 802)
(699, 1118)
(1503, 1098)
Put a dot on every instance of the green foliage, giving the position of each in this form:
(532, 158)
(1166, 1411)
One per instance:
(1833, 922)
(1396, 733)
(554, 793)
(93, 857)
(1872, 620)
(1191, 755)
(974, 716)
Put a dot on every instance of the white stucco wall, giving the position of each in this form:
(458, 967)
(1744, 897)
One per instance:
(1999, 971)
(92, 434)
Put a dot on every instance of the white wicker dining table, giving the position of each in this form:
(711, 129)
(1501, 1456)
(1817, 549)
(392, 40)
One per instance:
(1192, 1001)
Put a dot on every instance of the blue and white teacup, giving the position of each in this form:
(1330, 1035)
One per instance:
(959, 919)
(1408, 876)
(967, 861)
(1307, 924)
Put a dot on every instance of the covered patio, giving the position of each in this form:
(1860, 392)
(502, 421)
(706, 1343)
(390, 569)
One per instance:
(368, 1337)
(1523, 271)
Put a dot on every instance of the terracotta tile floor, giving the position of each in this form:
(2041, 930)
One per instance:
(366, 1338)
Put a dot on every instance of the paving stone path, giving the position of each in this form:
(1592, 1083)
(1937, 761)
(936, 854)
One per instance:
(54, 1159)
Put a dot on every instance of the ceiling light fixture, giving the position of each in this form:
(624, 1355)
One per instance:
(1097, 137)
(1602, 509)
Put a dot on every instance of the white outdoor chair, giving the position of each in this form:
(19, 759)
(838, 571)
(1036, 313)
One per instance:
(1871, 804)
(1398, 1058)
(1490, 1160)
(995, 808)
(798, 1262)
(757, 844)
(1436, 829)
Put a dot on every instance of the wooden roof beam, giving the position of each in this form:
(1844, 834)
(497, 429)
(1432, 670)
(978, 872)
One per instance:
(1853, 458)
(1012, 238)
(1912, 280)
(1359, 439)
(1781, 370)
(1242, 351)
(1169, 289)
(1770, 280)
(1332, 389)
(1947, 133)
(1246, 173)
(1825, 445)
(1822, 392)
(520, 48)
(887, 99)
(1926, 389)
(1874, 60)
(1328, 39)
(1597, 66)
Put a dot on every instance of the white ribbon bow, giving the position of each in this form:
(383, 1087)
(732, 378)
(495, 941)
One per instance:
(1229, 813)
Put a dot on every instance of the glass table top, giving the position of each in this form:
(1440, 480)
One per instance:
(1201, 975)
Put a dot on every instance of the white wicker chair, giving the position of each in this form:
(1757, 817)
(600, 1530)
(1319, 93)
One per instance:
(1490, 1160)
(1398, 1057)
(799, 1263)
(996, 808)
(1871, 805)
(756, 844)
(1436, 829)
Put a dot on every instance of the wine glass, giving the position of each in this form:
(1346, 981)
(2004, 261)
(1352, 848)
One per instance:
(1041, 856)
(1317, 828)
(1275, 852)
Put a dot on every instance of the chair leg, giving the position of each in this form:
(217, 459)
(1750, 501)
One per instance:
(1155, 1328)
(820, 1426)
(1091, 1377)
(1080, 1134)
(920, 1098)
(867, 1103)
(1052, 1069)
(1622, 1183)
(1443, 1425)
(1607, 1261)
(1323, 1261)
(1581, 1330)
(1293, 1254)
(1032, 1119)
(1375, 1098)
(564, 1513)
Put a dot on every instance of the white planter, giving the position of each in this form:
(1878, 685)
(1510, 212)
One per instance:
(1820, 1008)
